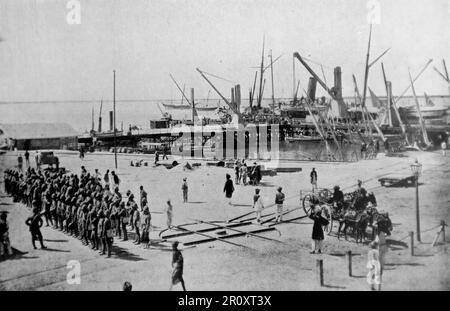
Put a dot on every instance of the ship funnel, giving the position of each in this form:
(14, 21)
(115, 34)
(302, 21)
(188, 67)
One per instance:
(312, 88)
(338, 82)
(111, 121)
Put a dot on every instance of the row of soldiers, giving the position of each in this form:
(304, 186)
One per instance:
(81, 206)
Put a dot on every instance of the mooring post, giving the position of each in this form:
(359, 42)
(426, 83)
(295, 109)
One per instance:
(443, 230)
(349, 261)
(319, 265)
(411, 238)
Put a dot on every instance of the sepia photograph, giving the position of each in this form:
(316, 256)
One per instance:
(224, 146)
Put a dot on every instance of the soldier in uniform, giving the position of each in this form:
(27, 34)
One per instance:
(35, 223)
(107, 237)
(143, 197)
(136, 223)
(5, 243)
(122, 214)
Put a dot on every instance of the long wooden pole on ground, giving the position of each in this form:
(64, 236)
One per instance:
(241, 231)
(211, 237)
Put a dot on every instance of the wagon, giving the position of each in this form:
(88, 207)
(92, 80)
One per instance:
(48, 158)
(323, 196)
(397, 181)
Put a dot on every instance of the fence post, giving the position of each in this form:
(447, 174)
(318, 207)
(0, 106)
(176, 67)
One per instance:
(349, 260)
(411, 244)
(443, 230)
(319, 265)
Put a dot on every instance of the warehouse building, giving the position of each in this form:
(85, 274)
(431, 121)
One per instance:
(32, 136)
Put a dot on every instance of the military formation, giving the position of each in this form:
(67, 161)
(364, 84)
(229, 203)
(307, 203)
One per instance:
(86, 206)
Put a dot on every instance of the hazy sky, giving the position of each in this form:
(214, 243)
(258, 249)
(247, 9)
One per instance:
(42, 57)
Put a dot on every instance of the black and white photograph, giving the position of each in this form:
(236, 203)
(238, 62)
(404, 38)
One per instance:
(224, 146)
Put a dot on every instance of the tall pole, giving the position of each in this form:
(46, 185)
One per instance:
(193, 105)
(92, 118)
(114, 117)
(421, 121)
(388, 87)
(294, 89)
(261, 76)
(253, 90)
(417, 208)
(271, 73)
(366, 70)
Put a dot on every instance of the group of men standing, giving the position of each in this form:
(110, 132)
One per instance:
(20, 159)
(82, 206)
(242, 172)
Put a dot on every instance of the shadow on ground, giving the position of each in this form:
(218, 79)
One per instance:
(412, 264)
(48, 249)
(334, 286)
(17, 254)
(120, 253)
(162, 246)
(396, 245)
(60, 241)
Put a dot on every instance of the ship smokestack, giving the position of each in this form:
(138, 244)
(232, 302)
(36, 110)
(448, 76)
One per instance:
(338, 82)
(312, 88)
(237, 95)
(111, 121)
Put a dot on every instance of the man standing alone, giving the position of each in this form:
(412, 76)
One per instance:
(317, 232)
(35, 223)
(27, 158)
(279, 199)
(177, 265)
(313, 176)
(258, 205)
(184, 187)
(228, 188)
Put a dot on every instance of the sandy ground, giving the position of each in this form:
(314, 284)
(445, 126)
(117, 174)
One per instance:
(263, 264)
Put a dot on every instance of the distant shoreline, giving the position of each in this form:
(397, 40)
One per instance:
(244, 100)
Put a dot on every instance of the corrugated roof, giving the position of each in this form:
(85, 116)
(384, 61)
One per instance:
(37, 130)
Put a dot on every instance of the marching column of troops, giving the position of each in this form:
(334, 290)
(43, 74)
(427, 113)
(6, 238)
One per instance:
(82, 206)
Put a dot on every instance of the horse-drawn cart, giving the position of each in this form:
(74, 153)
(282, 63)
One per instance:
(355, 212)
